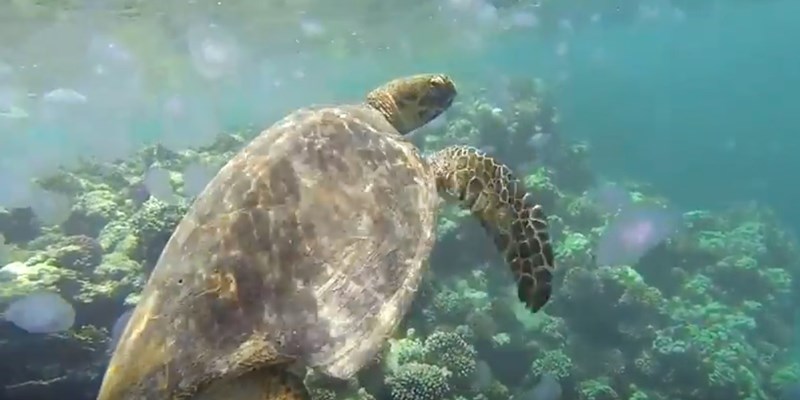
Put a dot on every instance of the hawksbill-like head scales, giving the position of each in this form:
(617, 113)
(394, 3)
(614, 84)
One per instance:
(410, 102)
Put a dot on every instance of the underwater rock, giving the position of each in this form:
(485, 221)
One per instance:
(18, 225)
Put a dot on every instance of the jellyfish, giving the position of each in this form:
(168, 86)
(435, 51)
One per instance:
(49, 207)
(118, 328)
(633, 233)
(195, 178)
(610, 198)
(214, 52)
(41, 312)
(158, 183)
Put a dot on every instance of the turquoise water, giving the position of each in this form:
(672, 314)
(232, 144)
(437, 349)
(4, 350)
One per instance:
(698, 101)
(703, 109)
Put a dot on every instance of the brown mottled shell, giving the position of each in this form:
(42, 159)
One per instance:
(308, 245)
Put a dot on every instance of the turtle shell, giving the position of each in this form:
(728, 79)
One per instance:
(308, 245)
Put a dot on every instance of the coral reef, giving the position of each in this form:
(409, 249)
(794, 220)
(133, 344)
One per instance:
(707, 314)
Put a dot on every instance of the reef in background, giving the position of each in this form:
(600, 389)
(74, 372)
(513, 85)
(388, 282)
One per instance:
(705, 315)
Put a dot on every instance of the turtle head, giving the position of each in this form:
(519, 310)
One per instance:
(410, 102)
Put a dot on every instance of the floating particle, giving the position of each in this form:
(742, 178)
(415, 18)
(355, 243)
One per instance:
(562, 49)
(41, 312)
(311, 28)
(524, 19)
(486, 13)
(566, 25)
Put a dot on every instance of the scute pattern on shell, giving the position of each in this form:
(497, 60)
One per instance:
(308, 244)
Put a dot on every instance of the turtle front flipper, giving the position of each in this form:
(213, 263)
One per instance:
(490, 191)
(272, 383)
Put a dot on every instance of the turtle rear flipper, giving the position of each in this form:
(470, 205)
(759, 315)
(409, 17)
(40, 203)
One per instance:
(518, 227)
(272, 383)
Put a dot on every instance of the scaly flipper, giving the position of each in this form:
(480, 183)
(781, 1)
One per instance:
(490, 191)
(270, 383)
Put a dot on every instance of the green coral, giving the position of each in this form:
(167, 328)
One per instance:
(92, 211)
(404, 351)
(19, 279)
(416, 381)
(79, 253)
(153, 225)
(117, 276)
(596, 389)
(554, 362)
(449, 350)
(574, 246)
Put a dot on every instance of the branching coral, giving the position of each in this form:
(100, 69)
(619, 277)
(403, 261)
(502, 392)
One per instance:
(153, 225)
(554, 362)
(404, 351)
(450, 351)
(716, 339)
(574, 247)
(596, 389)
(416, 381)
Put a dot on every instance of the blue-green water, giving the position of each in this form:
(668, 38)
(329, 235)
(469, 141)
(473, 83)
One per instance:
(701, 104)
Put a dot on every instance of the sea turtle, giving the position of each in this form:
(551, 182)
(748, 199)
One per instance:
(308, 246)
